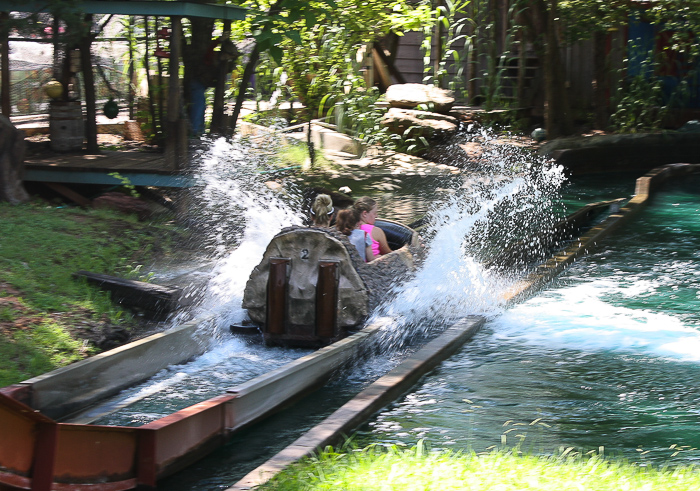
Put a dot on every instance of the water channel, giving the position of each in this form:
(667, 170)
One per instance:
(608, 355)
(604, 356)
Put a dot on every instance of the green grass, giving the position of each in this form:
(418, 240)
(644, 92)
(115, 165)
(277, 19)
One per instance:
(41, 246)
(377, 468)
(297, 155)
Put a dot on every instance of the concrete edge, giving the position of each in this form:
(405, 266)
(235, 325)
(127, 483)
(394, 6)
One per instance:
(71, 388)
(383, 391)
(299, 364)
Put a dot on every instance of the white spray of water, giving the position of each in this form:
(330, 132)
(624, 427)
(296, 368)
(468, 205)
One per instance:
(239, 209)
(452, 281)
(581, 317)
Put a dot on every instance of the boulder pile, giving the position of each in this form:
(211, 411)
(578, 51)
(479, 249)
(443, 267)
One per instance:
(418, 110)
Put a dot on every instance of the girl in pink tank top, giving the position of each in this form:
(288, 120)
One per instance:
(375, 244)
(367, 209)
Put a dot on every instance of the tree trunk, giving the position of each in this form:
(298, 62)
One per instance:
(176, 125)
(199, 71)
(89, 82)
(12, 148)
(557, 114)
(243, 87)
(248, 72)
(217, 116)
(601, 83)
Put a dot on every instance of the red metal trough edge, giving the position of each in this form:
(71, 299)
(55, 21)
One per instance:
(40, 454)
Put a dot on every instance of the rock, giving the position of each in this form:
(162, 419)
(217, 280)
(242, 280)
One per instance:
(12, 151)
(111, 337)
(132, 131)
(424, 123)
(692, 126)
(409, 96)
(539, 134)
(123, 203)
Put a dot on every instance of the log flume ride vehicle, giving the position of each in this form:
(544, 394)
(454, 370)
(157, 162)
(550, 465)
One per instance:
(312, 288)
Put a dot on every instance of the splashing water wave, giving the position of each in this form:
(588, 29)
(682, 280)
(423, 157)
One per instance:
(580, 317)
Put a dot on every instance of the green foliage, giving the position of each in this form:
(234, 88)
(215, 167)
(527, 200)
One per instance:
(358, 113)
(418, 468)
(312, 47)
(582, 18)
(126, 184)
(40, 248)
(638, 106)
(638, 103)
(297, 156)
(451, 17)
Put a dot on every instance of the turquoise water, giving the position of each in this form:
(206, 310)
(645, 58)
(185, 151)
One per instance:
(608, 355)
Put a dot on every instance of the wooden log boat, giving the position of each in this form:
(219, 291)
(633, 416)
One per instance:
(311, 287)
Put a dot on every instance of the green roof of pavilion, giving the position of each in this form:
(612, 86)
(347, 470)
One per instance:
(126, 7)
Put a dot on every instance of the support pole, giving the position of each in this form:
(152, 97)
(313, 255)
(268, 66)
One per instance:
(327, 299)
(146, 459)
(176, 125)
(5, 102)
(277, 296)
(44, 456)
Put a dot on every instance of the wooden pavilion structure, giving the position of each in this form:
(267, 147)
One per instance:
(174, 159)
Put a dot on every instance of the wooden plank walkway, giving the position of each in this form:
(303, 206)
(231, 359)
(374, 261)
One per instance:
(111, 161)
(140, 168)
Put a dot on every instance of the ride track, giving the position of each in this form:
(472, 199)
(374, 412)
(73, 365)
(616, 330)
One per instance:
(40, 453)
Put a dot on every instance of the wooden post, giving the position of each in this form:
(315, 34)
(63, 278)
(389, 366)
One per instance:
(5, 64)
(175, 147)
(90, 98)
(44, 456)
(276, 305)
(327, 299)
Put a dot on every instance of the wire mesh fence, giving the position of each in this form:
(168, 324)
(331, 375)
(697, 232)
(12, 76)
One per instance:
(28, 79)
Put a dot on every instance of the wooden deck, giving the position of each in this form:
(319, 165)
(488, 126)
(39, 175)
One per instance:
(140, 168)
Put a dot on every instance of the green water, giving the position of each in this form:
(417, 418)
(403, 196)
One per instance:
(606, 356)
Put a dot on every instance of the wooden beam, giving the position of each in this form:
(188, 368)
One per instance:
(70, 194)
(155, 301)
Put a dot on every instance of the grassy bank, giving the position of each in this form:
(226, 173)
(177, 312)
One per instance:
(377, 468)
(49, 319)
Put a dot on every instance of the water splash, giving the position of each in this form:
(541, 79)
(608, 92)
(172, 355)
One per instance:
(511, 198)
(237, 214)
(581, 317)
(506, 200)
